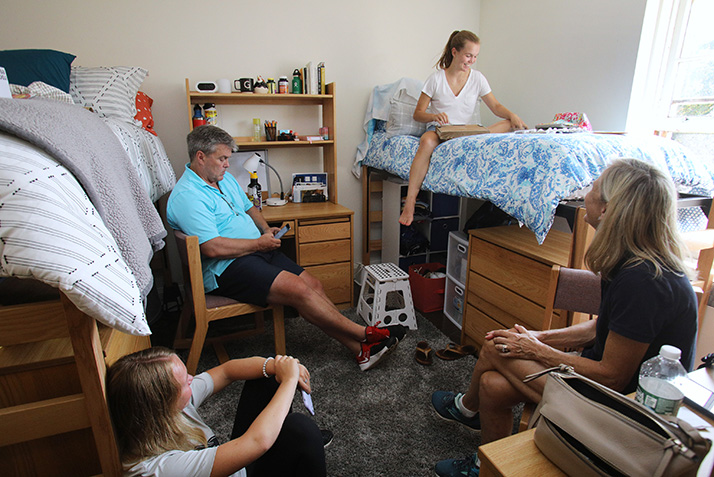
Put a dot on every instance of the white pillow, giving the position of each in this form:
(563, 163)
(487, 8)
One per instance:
(50, 231)
(401, 116)
(109, 91)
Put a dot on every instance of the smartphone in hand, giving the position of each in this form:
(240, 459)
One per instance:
(282, 231)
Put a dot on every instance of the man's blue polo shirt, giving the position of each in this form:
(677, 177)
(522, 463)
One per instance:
(196, 208)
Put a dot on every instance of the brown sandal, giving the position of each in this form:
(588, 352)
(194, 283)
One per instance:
(422, 354)
(455, 351)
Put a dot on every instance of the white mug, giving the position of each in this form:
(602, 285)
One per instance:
(224, 85)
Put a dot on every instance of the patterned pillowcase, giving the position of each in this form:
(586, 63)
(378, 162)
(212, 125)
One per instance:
(143, 111)
(26, 66)
(38, 89)
(108, 91)
(50, 231)
(401, 117)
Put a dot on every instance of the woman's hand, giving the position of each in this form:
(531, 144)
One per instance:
(517, 123)
(304, 381)
(517, 342)
(286, 368)
(441, 118)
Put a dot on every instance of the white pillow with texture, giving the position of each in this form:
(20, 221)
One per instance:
(109, 91)
(401, 116)
(50, 231)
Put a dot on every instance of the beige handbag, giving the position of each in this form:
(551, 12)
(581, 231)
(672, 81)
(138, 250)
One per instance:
(587, 429)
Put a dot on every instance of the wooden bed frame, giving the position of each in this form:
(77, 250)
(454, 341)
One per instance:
(54, 418)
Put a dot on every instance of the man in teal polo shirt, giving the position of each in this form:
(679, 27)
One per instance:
(240, 254)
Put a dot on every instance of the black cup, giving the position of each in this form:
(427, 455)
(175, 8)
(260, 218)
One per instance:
(245, 85)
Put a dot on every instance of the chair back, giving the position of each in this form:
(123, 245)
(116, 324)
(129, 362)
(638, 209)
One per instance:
(190, 255)
(573, 290)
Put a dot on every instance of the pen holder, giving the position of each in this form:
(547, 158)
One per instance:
(270, 133)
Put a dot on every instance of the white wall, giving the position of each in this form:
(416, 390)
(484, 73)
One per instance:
(363, 43)
(540, 57)
(553, 56)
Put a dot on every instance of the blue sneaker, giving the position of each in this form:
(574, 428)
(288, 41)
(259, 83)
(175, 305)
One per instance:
(466, 467)
(445, 406)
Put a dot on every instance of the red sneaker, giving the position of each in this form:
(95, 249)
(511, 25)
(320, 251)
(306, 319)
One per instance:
(372, 353)
(375, 334)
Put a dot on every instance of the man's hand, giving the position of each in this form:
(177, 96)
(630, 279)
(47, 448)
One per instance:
(267, 241)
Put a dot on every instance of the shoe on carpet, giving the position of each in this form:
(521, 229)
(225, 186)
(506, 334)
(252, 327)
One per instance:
(327, 436)
(455, 351)
(423, 353)
(466, 467)
(445, 405)
(372, 353)
(376, 333)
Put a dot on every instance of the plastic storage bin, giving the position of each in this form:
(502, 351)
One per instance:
(454, 302)
(427, 293)
(458, 257)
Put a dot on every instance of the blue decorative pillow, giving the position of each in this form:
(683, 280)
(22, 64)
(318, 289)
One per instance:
(27, 66)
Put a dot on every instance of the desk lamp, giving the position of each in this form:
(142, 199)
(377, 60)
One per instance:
(251, 165)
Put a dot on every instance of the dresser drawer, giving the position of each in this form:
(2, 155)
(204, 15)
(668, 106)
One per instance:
(324, 252)
(526, 276)
(477, 324)
(336, 279)
(324, 231)
(504, 305)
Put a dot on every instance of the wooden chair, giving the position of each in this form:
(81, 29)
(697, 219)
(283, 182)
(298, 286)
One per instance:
(207, 308)
(701, 245)
(53, 409)
(576, 292)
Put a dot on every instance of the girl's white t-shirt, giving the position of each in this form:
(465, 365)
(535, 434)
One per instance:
(460, 109)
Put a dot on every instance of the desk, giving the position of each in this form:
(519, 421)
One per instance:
(320, 241)
(518, 455)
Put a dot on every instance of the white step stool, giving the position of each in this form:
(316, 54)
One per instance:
(386, 296)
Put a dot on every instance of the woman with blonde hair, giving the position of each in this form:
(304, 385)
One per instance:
(647, 301)
(450, 96)
(153, 402)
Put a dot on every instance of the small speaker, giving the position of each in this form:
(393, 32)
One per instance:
(206, 87)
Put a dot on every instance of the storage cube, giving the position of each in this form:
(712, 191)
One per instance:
(458, 257)
(454, 302)
(427, 293)
(443, 205)
(440, 229)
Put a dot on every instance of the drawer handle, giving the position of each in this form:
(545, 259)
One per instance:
(458, 290)
(461, 248)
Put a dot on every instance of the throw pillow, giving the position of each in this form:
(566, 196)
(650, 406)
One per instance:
(401, 117)
(143, 111)
(109, 91)
(27, 66)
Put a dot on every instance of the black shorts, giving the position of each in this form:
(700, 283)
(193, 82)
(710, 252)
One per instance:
(248, 279)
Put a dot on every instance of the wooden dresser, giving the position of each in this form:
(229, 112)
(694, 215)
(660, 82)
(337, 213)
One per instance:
(508, 279)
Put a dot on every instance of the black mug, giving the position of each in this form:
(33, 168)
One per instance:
(244, 85)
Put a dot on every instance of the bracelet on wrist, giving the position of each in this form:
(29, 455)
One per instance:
(265, 363)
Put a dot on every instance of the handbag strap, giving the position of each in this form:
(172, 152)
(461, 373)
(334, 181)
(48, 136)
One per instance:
(563, 368)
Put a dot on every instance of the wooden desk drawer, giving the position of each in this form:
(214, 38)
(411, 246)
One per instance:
(282, 223)
(336, 279)
(477, 324)
(324, 232)
(503, 304)
(324, 252)
(529, 278)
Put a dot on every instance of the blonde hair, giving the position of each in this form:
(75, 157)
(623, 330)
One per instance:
(142, 393)
(639, 224)
(457, 40)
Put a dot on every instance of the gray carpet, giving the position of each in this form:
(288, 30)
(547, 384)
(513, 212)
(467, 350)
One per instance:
(382, 419)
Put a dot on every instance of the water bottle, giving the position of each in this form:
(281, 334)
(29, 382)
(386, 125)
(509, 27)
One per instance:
(297, 82)
(256, 129)
(656, 388)
(198, 119)
(255, 191)
(211, 114)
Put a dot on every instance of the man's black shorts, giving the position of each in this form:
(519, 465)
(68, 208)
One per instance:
(249, 278)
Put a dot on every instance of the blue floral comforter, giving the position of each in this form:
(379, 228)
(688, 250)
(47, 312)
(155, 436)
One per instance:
(527, 175)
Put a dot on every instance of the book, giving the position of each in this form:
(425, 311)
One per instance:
(321, 77)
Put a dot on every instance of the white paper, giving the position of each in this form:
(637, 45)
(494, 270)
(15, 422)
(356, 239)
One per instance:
(4, 84)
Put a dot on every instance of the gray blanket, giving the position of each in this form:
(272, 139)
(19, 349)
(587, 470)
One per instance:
(81, 142)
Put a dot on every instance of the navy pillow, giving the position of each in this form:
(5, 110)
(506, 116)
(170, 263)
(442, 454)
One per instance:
(26, 66)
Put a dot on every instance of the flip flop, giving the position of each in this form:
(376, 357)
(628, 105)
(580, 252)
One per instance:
(455, 351)
(422, 354)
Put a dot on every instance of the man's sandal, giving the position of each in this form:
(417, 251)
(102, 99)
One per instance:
(454, 351)
(423, 353)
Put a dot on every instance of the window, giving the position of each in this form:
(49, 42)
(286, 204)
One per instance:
(673, 87)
